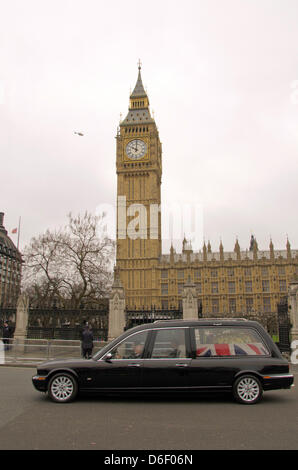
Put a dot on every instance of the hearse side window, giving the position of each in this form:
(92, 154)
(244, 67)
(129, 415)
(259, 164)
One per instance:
(223, 341)
(169, 343)
(131, 348)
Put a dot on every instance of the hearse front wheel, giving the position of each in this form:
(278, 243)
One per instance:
(247, 390)
(63, 388)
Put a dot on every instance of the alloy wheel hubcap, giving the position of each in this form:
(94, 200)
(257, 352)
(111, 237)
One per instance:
(248, 389)
(62, 388)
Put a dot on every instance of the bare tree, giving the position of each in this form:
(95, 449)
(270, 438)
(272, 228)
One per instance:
(72, 265)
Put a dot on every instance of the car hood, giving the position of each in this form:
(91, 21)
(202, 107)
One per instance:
(56, 363)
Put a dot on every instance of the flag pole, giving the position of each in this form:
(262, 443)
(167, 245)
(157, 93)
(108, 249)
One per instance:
(19, 232)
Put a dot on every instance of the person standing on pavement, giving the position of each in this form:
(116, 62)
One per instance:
(6, 335)
(87, 342)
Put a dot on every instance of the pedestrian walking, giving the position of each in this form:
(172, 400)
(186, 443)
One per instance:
(87, 342)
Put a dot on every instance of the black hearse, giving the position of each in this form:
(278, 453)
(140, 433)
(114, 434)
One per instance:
(234, 355)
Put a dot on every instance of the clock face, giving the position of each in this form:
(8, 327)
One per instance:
(136, 149)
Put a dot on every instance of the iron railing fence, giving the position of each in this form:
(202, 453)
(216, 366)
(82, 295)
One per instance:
(57, 323)
(284, 326)
(138, 317)
(36, 351)
(7, 314)
(64, 333)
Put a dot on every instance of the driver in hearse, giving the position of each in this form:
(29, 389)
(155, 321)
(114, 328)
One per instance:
(137, 352)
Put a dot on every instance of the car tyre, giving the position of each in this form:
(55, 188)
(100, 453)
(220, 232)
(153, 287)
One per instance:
(247, 390)
(62, 388)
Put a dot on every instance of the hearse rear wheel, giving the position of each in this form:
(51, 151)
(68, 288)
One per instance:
(247, 390)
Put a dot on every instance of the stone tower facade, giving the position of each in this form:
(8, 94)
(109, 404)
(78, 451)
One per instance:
(10, 269)
(139, 171)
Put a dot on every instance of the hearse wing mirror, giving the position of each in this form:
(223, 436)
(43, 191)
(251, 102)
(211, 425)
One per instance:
(109, 357)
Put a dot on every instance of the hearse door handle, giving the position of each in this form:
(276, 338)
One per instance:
(182, 364)
(134, 364)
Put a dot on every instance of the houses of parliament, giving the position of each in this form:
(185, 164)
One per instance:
(227, 283)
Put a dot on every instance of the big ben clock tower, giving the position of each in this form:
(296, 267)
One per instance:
(139, 170)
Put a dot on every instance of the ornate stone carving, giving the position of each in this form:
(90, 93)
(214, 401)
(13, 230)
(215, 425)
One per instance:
(22, 316)
(190, 301)
(293, 308)
(116, 310)
(23, 303)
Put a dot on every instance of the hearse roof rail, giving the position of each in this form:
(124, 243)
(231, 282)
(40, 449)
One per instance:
(202, 319)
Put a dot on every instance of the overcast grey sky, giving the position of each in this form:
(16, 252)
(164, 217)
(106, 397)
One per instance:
(222, 79)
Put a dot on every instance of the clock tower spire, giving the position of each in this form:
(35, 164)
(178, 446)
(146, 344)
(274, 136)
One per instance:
(139, 91)
(138, 111)
(139, 172)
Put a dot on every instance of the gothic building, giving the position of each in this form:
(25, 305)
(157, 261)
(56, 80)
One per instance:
(10, 269)
(227, 283)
